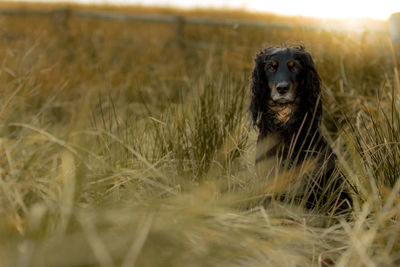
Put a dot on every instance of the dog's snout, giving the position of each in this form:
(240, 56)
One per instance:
(282, 87)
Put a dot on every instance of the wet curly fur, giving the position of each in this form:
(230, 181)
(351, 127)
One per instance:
(292, 118)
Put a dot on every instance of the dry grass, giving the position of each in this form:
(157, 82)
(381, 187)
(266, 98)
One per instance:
(119, 148)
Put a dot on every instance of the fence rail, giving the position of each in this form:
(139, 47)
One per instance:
(61, 16)
(146, 18)
(142, 18)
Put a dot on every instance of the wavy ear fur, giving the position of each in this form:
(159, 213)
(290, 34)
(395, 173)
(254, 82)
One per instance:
(259, 84)
(311, 86)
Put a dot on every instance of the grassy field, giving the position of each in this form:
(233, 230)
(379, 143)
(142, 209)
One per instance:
(119, 148)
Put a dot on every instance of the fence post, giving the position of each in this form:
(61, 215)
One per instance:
(395, 32)
(179, 25)
(60, 20)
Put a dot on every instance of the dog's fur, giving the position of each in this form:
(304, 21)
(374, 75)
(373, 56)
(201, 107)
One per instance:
(286, 106)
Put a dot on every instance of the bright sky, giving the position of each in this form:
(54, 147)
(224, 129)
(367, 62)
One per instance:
(315, 8)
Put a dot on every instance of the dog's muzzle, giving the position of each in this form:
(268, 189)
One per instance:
(283, 92)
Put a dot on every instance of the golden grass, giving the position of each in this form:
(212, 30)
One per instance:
(118, 148)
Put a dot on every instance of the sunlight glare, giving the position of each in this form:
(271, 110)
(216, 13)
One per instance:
(340, 9)
(330, 9)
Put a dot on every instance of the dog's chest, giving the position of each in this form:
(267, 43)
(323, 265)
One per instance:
(282, 113)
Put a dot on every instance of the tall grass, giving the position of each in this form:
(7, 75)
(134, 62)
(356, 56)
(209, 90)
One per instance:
(119, 149)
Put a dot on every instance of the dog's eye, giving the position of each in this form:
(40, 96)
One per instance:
(272, 66)
(293, 66)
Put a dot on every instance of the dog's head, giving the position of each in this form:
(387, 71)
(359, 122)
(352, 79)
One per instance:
(284, 76)
(282, 71)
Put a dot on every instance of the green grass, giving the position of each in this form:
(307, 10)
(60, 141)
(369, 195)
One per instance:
(119, 148)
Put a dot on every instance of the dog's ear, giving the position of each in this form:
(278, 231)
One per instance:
(311, 84)
(258, 86)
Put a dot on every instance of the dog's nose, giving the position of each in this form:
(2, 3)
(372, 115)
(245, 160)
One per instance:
(282, 88)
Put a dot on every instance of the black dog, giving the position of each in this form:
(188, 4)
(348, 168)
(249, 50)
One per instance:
(286, 106)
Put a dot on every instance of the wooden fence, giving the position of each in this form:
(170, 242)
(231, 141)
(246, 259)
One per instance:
(66, 13)
(60, 17)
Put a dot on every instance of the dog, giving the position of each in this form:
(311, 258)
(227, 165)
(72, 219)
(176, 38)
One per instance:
(286, 109)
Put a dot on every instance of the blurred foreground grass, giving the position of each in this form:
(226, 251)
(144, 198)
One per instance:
(119, 148)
